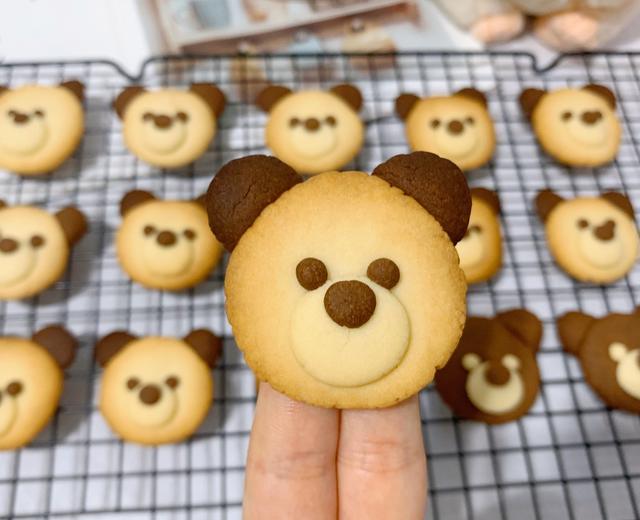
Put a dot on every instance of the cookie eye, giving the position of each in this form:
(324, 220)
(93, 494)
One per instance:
(132, 383)
(294, 121)
(149, 230)
(566, 115)
(331, 121)
(12, 113)
(311, 273)
(182, 116)
(37, 241)
(582, 224)
(172, 382)
(470, 121)
(384, 272)
(472, 229)
(14, 388)
(39, 113)
(190, 234)
(148, 116)
(435, 123)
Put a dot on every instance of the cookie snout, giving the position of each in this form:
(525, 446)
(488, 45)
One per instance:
(606, 231)
(455, 127)
(8, 245)
(591, 117)
(166, 238)
(150, 395)
(19, 118)
(350, 303)
(497, 374)
(312, 124)
(162, 121)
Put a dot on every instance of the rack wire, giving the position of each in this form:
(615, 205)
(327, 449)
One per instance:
(570, 457)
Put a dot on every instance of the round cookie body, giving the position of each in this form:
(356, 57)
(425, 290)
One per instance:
(392, 341)
(167, 245)
(560, 124)
(156, 391)
(44, 129)
(33, 253)
(30, 388)
(333, 139)
(168, 128)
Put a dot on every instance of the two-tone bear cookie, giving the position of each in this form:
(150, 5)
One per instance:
(165, 244)
(609, 352)
(480, 250)
(594, 239)
(169, 128)
(493, 375)
(311, 130)
(35, 247)
(31, 381)
(576, 126)
(157, 390)
(345, 290)
(457, 127)
(40, 126)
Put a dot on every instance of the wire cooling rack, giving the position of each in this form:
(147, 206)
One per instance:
(570, 457)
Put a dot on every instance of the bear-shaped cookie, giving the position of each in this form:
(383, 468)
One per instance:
(40, 126)
(457, 127)
(31, 381)
(156, 390)
(344, 290)
(35, 247)
(493, 375)
(313, 131)
(593, 239)
(576, 126)
(169, 128)
(608, 349)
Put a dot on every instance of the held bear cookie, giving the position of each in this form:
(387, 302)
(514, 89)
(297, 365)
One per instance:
(40, 126)
(458, 127)
(609, 351)
(493, 376)
(169, 128)
(576, 126)
(480, 250)
(165, 244)
(594, 239)
(345, 290)
(157, 390)
(35, 247)
(31, 380)
(313, 131)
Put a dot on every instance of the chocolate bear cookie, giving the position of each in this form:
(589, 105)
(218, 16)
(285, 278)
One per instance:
(609, 351)
(169, 128)
(157, 390)
(594, 239)
(165, 244)
(480, 250)
(458, 127)
(35, 247)
(345, 290)
(40, 126)
(313, 131)
(576, 126)
(31, 380)
(493, 376)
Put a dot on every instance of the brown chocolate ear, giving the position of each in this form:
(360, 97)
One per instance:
(621, 201)
(529, 99)
(73, 222)
(490, 197)
(270, 95)
(524, 325)
(546, 201)
(3, 89)
(473, 94)
(241, 190)
(110, 345)
(350, 94)
(206, 344)
(133, 199)
(125, 97)
(604, 92)
(572, 330)
(3, 204)
(59, 343)
(404, 104)
(436, 183)
(76, 88)
(211, 95)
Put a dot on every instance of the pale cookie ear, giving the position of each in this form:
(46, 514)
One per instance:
(604, 92)
(470, 361)
(546, 201)
(524, 325)
(404, 104)
(270, 95)
(110, 345)
(437, 184)
(241, 190)
(211, 95)
(529, 99)
(76, 88)
(206, 344)
(59, 343)
(490, 197)
(572, 330)
(73, 222)
(125, 97)
(350, 94)
(133, 199)
(473, 94)
(617, 351)
(620, 201)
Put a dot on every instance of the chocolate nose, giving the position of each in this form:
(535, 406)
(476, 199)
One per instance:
(162, 121)
(166, 238)
(312, 124)
(455, 127)
(20, 118)
(150, 395)
(606, 231)
(350, 303)
(591, 117)
(497, 374)
(8, 245)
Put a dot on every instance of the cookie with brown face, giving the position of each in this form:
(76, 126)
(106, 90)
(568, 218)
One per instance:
(493, 375)
(345, 290)
(594, 239)
(169, 128)
(40, 126)
(608, 349)
(576, 126)
(458, 127)
(156, 390)
(312, 130)
(35, 247)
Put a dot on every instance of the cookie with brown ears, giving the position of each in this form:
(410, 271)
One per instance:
(593, 239)
(576, 126)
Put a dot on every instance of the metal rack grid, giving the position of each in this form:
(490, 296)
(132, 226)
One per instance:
(570, 457)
